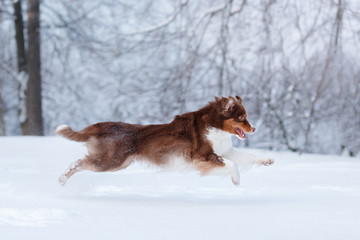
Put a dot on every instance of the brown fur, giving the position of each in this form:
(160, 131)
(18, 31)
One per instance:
(114, 145)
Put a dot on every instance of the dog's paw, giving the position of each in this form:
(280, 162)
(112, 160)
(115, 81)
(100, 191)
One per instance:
(235, 181)
(62, 180)
(267, 162)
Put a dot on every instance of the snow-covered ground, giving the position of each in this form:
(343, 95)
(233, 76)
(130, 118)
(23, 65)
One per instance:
(299, 197)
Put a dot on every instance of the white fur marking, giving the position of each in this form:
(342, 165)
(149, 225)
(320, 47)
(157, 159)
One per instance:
(91, 145)
(220, 140)
(245, 160)
(178, 163)
(230, 168)
(173, 163)
(61, 127)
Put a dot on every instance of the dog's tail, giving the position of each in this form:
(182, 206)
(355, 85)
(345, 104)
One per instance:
(67, 132)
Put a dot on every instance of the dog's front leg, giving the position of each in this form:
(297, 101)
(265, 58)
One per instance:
(216, 165)
(246, 160)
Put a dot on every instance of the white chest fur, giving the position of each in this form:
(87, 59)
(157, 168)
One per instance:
(220, 140)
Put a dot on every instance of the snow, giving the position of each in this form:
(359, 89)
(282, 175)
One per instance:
(299, 197)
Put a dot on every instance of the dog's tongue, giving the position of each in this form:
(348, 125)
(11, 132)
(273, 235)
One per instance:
(240, 133)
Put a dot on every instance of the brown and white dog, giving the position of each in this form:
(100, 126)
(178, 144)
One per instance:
(199, 140)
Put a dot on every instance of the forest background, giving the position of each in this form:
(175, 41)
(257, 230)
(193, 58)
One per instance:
(294, 63)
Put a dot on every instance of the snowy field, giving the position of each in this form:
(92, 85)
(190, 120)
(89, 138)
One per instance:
(299, 197)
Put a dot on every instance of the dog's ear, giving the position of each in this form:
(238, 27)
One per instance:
(229, 105)
(239, 99)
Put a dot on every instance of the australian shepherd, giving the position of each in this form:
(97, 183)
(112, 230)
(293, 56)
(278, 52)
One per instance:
(200, 140)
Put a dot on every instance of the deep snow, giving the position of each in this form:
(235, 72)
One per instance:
(299, 197)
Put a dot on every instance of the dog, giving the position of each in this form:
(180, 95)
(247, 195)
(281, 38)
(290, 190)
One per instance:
(199, 140)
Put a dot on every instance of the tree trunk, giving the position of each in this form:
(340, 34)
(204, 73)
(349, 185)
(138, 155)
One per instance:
(2, 122)
(33, 125)
(20, 42)
(21, 62)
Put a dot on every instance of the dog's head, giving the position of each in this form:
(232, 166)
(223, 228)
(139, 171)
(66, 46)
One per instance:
(234, 116)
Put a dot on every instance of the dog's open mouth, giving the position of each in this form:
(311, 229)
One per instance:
(240, 133)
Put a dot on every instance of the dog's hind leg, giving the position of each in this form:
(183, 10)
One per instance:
(79, 165)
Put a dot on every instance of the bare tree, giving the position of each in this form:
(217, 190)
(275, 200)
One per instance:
(20, 40)
(22, 77)
(2, 122)
(146, 61)
(33, 124)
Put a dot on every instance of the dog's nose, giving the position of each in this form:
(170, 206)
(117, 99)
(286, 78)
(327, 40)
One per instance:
(253, 129)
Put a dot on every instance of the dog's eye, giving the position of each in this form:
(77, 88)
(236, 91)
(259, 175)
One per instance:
(241, 118)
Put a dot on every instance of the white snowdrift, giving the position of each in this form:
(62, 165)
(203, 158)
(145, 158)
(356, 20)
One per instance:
(299, 197)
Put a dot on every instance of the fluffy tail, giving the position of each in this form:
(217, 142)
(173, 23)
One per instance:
(67, 132)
